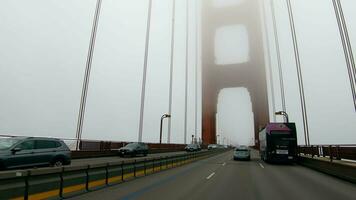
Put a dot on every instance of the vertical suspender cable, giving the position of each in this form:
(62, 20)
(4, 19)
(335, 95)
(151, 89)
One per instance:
(196, 67)
(171, 73)
(276, 39)
(350, 63)
(87, 74)
(269, 60)
(144, 74)
(299, 73)
(186, 73)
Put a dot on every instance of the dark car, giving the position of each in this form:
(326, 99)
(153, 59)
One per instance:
(192, 147)
(242, 153)
(18, 152)
(133, 149)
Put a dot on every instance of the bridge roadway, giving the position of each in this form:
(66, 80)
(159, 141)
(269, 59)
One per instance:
(98, 160)
(222, 178)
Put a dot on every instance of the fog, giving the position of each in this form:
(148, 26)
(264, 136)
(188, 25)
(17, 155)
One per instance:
(296, 57)
(233, 57)
(43, 53)
(235, 117)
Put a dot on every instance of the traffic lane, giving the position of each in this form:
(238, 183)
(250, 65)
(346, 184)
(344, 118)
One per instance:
(314, 184)
(258, 180)
(222, 178)
(153, 186)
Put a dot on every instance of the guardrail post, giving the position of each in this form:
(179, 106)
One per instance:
(26, 185)
(160, 163)
(122, 171)
(61, 183)
(338, 157)
(87, 178)
(107, 174)
(144, 167)
(135, 168)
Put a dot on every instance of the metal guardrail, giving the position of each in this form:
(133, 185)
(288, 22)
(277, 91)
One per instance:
(67, 181)
(332, 152)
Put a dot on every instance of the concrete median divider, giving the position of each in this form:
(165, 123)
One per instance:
(64, 182)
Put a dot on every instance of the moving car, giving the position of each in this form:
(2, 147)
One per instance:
(212, 146)
(242, 153)
(192, 147)
(133, 149)
(18, 152)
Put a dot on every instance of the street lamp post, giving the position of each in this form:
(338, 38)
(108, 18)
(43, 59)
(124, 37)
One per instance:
(284, 114)
(160, 130)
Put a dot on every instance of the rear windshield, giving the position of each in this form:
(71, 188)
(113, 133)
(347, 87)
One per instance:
(6, 143)
(132, 145)
(241, 150)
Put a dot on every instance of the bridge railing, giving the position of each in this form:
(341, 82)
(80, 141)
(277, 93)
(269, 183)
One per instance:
(331, 152)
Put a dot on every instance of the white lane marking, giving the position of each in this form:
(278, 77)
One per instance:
(261, 165)
(224, 164)
(211, 175)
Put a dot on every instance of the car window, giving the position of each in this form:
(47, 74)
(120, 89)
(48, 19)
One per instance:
(7, 142)
(27, 145)
(58, 144)
(132, 145)
(45, 144)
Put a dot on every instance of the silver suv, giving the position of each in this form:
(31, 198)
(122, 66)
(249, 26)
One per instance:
(18, 152)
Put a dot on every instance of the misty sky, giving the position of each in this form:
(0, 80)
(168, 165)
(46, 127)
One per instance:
(44, 46)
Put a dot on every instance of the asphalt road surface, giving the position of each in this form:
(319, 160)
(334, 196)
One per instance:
(222, 178)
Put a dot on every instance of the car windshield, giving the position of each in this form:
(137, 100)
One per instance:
(132, 145)
(6, 143)
(191, 145)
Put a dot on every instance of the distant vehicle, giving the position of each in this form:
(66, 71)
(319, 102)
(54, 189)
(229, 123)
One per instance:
(242, 153)
(192, 147)
(212, 146)
(278, 142)
(21, 152)
(133, 149)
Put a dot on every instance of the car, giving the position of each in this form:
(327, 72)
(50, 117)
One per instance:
(192, 147)
(212, 146)
(20, 152)
(242, 153)
(133, 149)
